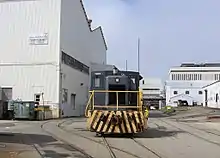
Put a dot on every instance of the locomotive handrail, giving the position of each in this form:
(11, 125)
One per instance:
(104, 91)
(91, 101)
(114, 106)
(88, 103)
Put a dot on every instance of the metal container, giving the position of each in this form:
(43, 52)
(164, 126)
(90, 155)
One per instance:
(24, 110)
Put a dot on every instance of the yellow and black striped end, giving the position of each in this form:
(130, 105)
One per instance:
(116, 122)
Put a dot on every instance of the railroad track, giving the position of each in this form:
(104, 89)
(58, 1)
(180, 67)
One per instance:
(190, 133)
(108, 146)
(103, 143)
(147, 148)
(86, 155)
(206, 131)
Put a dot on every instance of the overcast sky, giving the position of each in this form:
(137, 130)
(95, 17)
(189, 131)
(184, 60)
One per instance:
(171, 32)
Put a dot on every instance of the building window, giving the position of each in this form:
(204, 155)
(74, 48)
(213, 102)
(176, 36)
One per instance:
(73, 101)
(174, 76)
(217, 77)
(175, 92)
(6, 93)
(190, 76)
(37, 97)
(194, 77)
(186, 92)
(65, 96)
(97, 81)
(178, 77)
(200, 92)
(74, 63)
(216, 97)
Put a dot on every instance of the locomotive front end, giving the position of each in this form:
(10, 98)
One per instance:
(115, 103)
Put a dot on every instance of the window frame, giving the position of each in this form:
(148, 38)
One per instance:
(35, 97)
(186, 92)
(73, 101)
(99, 81)
(175, 92)
(64, 94)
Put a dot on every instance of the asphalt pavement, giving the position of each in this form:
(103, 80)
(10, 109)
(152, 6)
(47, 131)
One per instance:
(186, 134)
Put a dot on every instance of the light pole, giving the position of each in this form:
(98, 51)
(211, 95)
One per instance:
(138, 54)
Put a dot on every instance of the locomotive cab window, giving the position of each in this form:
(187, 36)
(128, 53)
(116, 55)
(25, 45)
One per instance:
(133, 79)
(97, 81)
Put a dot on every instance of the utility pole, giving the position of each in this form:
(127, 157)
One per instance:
(126, 65)
(138, 54)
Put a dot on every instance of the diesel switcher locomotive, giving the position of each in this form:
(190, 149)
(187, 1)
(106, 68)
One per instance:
(115, 103)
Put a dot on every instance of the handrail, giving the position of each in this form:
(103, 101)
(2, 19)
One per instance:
(119, 107)
(91, 101)
(88, 103)
(104, 91)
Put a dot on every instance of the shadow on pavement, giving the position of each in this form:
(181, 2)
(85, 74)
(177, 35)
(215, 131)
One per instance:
(28, 139)
(75, 153)
(44, 141)
(53, 154)
(149, 133)
(157, 133)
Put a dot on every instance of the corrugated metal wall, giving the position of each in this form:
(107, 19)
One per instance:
(79, 42)
(25, 67)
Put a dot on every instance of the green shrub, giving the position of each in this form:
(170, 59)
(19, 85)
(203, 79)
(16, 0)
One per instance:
(168, 109)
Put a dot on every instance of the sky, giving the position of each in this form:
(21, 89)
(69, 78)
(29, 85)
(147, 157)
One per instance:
(171, 32)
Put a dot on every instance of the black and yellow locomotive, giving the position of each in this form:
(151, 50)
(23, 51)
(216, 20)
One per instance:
(115, 103)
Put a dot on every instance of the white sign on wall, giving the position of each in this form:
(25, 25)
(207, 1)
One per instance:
(41, 39)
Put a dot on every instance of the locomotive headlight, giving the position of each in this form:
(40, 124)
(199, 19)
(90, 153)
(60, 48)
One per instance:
(117, 80)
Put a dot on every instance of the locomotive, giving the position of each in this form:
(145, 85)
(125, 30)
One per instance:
(115, 103)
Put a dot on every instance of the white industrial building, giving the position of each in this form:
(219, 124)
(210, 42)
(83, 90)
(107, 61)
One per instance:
(211, 95)
(152, 89)
(47, 48)
(186, 82)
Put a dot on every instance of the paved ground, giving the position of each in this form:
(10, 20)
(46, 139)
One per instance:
(27, 139)
(187, 134)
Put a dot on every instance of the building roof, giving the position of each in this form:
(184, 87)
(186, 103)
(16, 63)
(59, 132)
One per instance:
(211, 84)
(207, 67)
(89, 25)
(200, 65)
(182, 95)
(102, 67)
